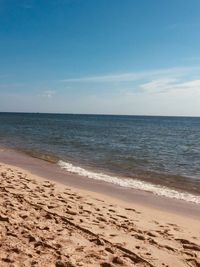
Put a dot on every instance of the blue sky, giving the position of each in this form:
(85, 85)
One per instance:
(100, 56)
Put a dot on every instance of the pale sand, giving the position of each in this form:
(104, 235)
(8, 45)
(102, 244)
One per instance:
(44, 223)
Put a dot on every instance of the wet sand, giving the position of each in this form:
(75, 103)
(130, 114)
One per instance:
(53, 172)
(46, 223)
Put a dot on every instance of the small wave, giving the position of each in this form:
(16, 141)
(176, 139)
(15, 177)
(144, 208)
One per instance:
(131, 183)
(40, 155)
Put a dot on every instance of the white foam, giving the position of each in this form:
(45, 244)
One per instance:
(131, 183)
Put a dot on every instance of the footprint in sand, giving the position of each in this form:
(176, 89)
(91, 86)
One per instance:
(188, 244)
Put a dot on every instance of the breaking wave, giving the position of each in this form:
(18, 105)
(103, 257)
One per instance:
(131, 183)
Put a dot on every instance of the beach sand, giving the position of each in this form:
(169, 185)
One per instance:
(44, 223)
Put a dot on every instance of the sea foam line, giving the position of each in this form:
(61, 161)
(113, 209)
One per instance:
(130, 183)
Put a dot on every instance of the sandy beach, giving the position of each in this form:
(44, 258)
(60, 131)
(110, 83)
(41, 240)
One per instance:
(45, 223)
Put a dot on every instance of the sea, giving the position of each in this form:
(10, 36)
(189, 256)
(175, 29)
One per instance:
(157, 154)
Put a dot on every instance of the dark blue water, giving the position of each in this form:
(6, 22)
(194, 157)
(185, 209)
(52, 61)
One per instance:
(160, 150)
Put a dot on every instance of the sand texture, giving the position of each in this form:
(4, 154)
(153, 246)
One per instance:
(43, 223)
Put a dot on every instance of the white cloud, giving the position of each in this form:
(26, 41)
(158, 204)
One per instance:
(156, 86)
(167, 85)
(48, 93)
(171, 91)
(135, 76)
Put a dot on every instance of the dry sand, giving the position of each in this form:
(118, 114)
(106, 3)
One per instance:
(43, 223)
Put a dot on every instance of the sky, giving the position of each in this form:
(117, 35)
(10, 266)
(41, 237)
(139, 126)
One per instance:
(134, 57)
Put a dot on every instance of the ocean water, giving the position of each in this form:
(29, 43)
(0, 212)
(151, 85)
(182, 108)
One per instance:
(156, 154)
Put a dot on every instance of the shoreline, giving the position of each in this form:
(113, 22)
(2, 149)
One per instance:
(53, 172)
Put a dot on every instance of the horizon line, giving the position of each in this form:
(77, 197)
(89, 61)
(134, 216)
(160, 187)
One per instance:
(99, 114)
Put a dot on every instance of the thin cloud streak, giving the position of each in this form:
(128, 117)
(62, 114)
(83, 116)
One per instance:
(134, 76)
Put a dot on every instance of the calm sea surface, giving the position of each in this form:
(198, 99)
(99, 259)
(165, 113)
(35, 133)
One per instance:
(132, 151)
